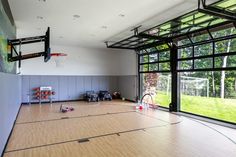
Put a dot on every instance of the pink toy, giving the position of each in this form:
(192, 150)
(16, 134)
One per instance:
(66, 109)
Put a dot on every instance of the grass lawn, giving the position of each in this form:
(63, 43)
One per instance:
(223, 109)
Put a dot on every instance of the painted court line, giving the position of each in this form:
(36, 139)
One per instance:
(63, 118)
(88, 138)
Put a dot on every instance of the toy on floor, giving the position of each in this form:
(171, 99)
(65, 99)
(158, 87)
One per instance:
(146, 102)
(65, 109)
(104, 95)
(91, 96)
(116, 95)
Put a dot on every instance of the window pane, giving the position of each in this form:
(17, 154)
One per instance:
(153, 67)
(164, 66)
(203, 50)
(225, 61)
(144, 67)
(162, 47)
(164, 56)
(231, 61)
(153, 57)
(225, 46)
(184, 42)
(185, 64)
(158, 85)
(201, 37)
(218, 62)
(223, 33)
(144, 59)
(205, 94)
(204, 63)
(185, 52)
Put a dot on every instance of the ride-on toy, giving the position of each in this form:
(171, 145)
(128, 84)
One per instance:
(91, 96)
(105, 95)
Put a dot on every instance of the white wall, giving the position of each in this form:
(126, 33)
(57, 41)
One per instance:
(81, 61)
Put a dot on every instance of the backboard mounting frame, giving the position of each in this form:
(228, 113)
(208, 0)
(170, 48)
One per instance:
(15, 55)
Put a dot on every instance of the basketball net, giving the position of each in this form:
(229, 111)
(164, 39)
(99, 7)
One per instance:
(59, 59)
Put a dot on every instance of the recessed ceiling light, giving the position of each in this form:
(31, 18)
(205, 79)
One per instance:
(104, 27)
(39, 17)
(92, 35)
(122, 15)
(76, 16)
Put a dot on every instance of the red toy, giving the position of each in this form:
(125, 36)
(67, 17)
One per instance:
(140, 107)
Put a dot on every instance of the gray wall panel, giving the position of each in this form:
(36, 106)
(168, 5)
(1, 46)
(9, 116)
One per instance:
(25, 90)
(80, 86)
(127, 85)
(74, 87)
(10, 100)
(87, 83)
(35, 81)
(95, 83)
(113, 84)
(52, 81)
(104, 83)
(63, 88)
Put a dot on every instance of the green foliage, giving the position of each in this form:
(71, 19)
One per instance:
(223, 109)
(225, 46)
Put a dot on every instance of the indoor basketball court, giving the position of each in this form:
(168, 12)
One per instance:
(110, 129)
(118, 78)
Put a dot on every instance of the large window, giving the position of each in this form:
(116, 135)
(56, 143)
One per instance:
(155, 78)
(206, 72)
(156, 59)
(211, 94)
(159, 86)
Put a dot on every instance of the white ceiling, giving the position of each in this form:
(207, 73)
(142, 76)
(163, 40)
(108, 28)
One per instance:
(88, 30)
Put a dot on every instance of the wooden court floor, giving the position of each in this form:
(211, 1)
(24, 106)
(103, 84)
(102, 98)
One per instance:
(112, 129)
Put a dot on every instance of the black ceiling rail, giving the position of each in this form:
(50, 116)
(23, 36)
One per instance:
(215, 11)
(155, 62)
(192, 33)
(190, 24)
(204, 42)
(17, 55)
(217, 14)
(147, 36)
(154, 52)
(184, 35)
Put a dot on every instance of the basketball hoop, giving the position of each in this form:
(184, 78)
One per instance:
(59, 58)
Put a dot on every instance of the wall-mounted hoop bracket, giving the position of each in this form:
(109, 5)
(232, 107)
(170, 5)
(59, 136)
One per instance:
(15, 55)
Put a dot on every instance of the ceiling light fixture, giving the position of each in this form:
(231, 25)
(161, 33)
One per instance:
(122, 15)
(92, 35)
(104, 27)
(42, 0)
(76, 16)
(39, 17)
